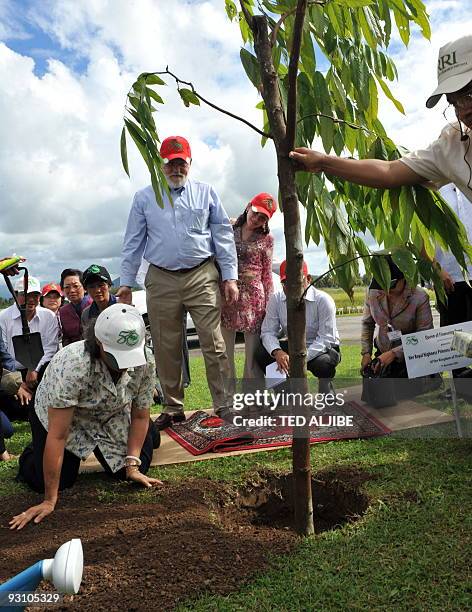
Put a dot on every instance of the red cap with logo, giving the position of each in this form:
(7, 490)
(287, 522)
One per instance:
(264, 203)
(175, 147)
(283, 270)
(51, 287)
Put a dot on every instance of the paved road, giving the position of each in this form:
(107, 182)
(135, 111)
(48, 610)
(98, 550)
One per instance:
(348, 327)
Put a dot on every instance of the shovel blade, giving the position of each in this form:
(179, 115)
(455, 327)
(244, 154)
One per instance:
(28, 349)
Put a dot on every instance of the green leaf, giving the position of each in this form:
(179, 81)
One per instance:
(323, 100)
(189, 97)
(404, 260)
(245, 29)
(381, 271)
(403, 25)
(420, 16)
(156, 97)
(251, 67)
(390, 96)
(407, 210)
(307, 53)
(366, 27)
(353, 3)
(327, 133)
(338, 142)
(351, 139)
(124, 153)
(152, 79)
(373, 98)
(231, 9)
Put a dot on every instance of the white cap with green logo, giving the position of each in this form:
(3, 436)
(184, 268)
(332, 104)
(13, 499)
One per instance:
(120, 328)
(454, 68)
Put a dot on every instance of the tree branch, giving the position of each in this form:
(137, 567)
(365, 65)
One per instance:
(247, 14)
(218, 108)
(270, 84)
(276, 29)
(293, 73)
(340, 121)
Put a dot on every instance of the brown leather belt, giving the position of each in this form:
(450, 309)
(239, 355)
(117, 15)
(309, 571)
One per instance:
(184, 270)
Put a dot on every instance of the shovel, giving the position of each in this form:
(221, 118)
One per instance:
(28, 347)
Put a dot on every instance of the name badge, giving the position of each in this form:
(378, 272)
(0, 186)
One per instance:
(395, 334)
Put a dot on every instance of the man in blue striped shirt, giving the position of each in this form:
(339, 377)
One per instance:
(184, 242)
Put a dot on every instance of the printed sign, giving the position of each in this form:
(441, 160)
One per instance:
(430, 352)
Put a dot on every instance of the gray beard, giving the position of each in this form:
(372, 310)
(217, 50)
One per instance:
(176, 184)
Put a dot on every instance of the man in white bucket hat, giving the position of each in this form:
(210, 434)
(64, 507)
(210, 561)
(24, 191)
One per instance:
(94, 397)
(447, 160)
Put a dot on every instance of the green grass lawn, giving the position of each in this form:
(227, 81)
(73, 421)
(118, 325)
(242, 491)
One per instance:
(410, 551)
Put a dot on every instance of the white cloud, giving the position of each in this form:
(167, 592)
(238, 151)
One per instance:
(65, 197)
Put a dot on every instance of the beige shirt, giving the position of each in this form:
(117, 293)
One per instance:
(101, 407)
(443, 161)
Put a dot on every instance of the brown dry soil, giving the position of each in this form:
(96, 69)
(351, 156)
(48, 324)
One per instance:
(198, 536)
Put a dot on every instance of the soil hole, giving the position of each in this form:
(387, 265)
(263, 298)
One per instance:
(336, 500)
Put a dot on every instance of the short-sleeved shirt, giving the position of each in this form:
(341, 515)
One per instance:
(463, 209)
(102, 408)
(445, 160)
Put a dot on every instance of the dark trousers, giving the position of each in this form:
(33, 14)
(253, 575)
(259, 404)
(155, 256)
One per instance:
(457, 310)
(31, 460)
(323, 366)
(459, 305)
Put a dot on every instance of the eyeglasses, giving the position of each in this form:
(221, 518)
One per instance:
(74, 286)
(460, 100)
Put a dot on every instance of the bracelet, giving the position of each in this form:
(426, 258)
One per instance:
(136, 459)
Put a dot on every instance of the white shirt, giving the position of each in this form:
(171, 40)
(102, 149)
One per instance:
(321, 331)
(443, 161)
(463, 209)
(44, 322)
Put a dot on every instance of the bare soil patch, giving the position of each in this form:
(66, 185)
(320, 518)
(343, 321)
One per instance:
(197, 536)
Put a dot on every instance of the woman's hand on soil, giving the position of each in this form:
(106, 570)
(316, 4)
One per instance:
(35, 513)
(142, 479)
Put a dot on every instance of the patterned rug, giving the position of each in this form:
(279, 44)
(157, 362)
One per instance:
(202, 433)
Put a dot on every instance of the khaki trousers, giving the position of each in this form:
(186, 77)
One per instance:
(167, 294)
(252, 370)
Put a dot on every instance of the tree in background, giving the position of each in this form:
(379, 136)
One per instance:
(287, 45)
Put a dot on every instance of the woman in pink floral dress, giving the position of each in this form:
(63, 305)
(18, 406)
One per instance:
(254, 245)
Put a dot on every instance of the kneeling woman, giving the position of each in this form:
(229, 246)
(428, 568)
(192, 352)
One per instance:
(401, 310)
(94, 397)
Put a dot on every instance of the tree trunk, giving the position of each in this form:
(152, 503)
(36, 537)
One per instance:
(283, 140)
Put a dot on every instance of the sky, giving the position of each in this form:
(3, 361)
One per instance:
(65, 69)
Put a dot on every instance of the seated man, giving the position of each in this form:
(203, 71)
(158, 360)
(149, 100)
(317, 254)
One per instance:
(94, 397)
(13, 394)
(322, 338)
(39, 320)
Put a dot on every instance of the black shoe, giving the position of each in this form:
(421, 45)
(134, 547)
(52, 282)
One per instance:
(165, 420)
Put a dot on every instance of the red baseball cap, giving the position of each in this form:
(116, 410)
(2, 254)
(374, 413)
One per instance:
(175, 147)
(51, 287)
(264, 203)
(283, 270)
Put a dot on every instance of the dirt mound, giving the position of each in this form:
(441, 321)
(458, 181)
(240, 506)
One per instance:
(198, 536)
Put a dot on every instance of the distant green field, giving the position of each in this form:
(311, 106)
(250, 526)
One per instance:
(342, 300)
